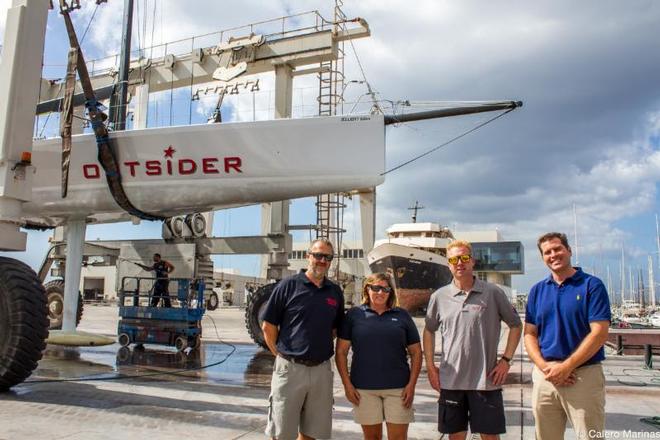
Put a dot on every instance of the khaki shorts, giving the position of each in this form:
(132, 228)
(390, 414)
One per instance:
(377, 406)
(300, 401)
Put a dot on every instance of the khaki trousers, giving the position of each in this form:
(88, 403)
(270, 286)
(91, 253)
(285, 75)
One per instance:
(583, 404)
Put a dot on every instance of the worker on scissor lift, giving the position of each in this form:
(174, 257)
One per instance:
(162, 268)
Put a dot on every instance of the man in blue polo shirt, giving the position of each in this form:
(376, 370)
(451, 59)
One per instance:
(300, 322)
(566, 325)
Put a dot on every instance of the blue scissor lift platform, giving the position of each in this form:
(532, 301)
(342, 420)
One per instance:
(179, 326)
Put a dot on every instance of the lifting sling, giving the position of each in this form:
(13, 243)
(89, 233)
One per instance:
(106, 154)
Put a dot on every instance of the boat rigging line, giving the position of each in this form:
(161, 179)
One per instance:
(59, 93)
(393, 119)
(82, 39)
(370, 92)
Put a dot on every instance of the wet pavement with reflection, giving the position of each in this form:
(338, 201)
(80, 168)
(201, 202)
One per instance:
(217, 363)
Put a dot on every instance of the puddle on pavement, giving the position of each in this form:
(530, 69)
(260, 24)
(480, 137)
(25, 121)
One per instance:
(248, 365)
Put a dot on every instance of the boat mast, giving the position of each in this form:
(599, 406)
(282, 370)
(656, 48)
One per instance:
(657, 238)
(633, 295)
(577, 255)
(651, 282)
(117, 111)
(640, 289)
(623, 276)
(414, 209)
(609, 285)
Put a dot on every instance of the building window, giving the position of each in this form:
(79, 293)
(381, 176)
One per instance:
(298, 255)
(499, 257)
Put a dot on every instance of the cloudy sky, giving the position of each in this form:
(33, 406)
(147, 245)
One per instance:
(588, 134)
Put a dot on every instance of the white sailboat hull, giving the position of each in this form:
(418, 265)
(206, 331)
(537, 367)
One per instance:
(177, 170)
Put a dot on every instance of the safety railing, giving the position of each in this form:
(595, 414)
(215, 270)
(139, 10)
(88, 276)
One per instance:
(141, 291)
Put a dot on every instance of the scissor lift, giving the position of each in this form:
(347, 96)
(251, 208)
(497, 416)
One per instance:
(178, 326)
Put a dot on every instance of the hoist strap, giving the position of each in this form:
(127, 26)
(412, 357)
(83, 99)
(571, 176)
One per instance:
(66, 117)
(106, 154)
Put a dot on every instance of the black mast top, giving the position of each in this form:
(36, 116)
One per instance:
(415, 208)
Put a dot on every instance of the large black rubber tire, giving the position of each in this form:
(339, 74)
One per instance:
(255, 304)
(23, 322)
(55, 298)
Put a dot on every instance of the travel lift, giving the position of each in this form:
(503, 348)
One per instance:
(218, 166)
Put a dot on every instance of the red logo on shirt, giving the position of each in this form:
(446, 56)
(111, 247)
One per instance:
(331, 301)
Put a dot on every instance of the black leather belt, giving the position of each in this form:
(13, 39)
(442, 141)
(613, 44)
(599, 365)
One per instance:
(305, 362)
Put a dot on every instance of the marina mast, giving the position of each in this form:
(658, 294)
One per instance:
(651, 282)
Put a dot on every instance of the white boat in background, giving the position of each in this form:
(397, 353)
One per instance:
(654, 319)
(414, 254)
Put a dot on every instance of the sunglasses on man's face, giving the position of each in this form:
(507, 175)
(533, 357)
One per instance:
(464, 258)
(376, 288)
(321, 256)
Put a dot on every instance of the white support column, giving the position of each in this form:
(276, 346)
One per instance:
(275, 215)
(368, 219)
(20, 72)
(75, 241)
(283, 91)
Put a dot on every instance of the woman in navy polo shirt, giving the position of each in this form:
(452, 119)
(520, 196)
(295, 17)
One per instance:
(381, 385)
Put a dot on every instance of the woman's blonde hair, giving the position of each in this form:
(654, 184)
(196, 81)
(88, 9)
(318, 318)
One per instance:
(392, 299)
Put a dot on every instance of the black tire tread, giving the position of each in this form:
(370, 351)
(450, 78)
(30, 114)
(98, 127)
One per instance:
(26, 317)
(58, 286)
(254, 303)
(209, 304)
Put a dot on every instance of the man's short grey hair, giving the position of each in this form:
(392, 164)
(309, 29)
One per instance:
(324, 241)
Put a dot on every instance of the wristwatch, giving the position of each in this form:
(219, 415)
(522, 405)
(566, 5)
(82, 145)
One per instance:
(508, 360)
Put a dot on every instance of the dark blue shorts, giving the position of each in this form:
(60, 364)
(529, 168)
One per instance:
(483, 410)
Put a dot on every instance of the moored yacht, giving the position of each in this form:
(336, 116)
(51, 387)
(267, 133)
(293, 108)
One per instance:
(414, 254)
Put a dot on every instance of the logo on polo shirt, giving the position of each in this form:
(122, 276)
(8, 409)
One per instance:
(331, 301)
(578, 297)
(394, 319)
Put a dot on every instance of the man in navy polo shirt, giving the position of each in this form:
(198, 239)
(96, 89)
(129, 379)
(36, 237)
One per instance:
(566, 325)
(300, 322)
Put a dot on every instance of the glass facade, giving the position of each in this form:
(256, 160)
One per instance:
(502, 256)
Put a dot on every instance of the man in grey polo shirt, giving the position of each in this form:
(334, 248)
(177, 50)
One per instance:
(469, 313)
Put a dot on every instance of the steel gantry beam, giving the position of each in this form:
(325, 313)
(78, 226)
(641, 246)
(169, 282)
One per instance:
(197, 66)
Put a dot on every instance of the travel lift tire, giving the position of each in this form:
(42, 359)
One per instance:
(212, 302)
(180, 343)
(124, 340)
(23, 322)
(55, 298)
(256, 302)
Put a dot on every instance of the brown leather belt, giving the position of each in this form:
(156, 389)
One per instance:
(305, 362)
